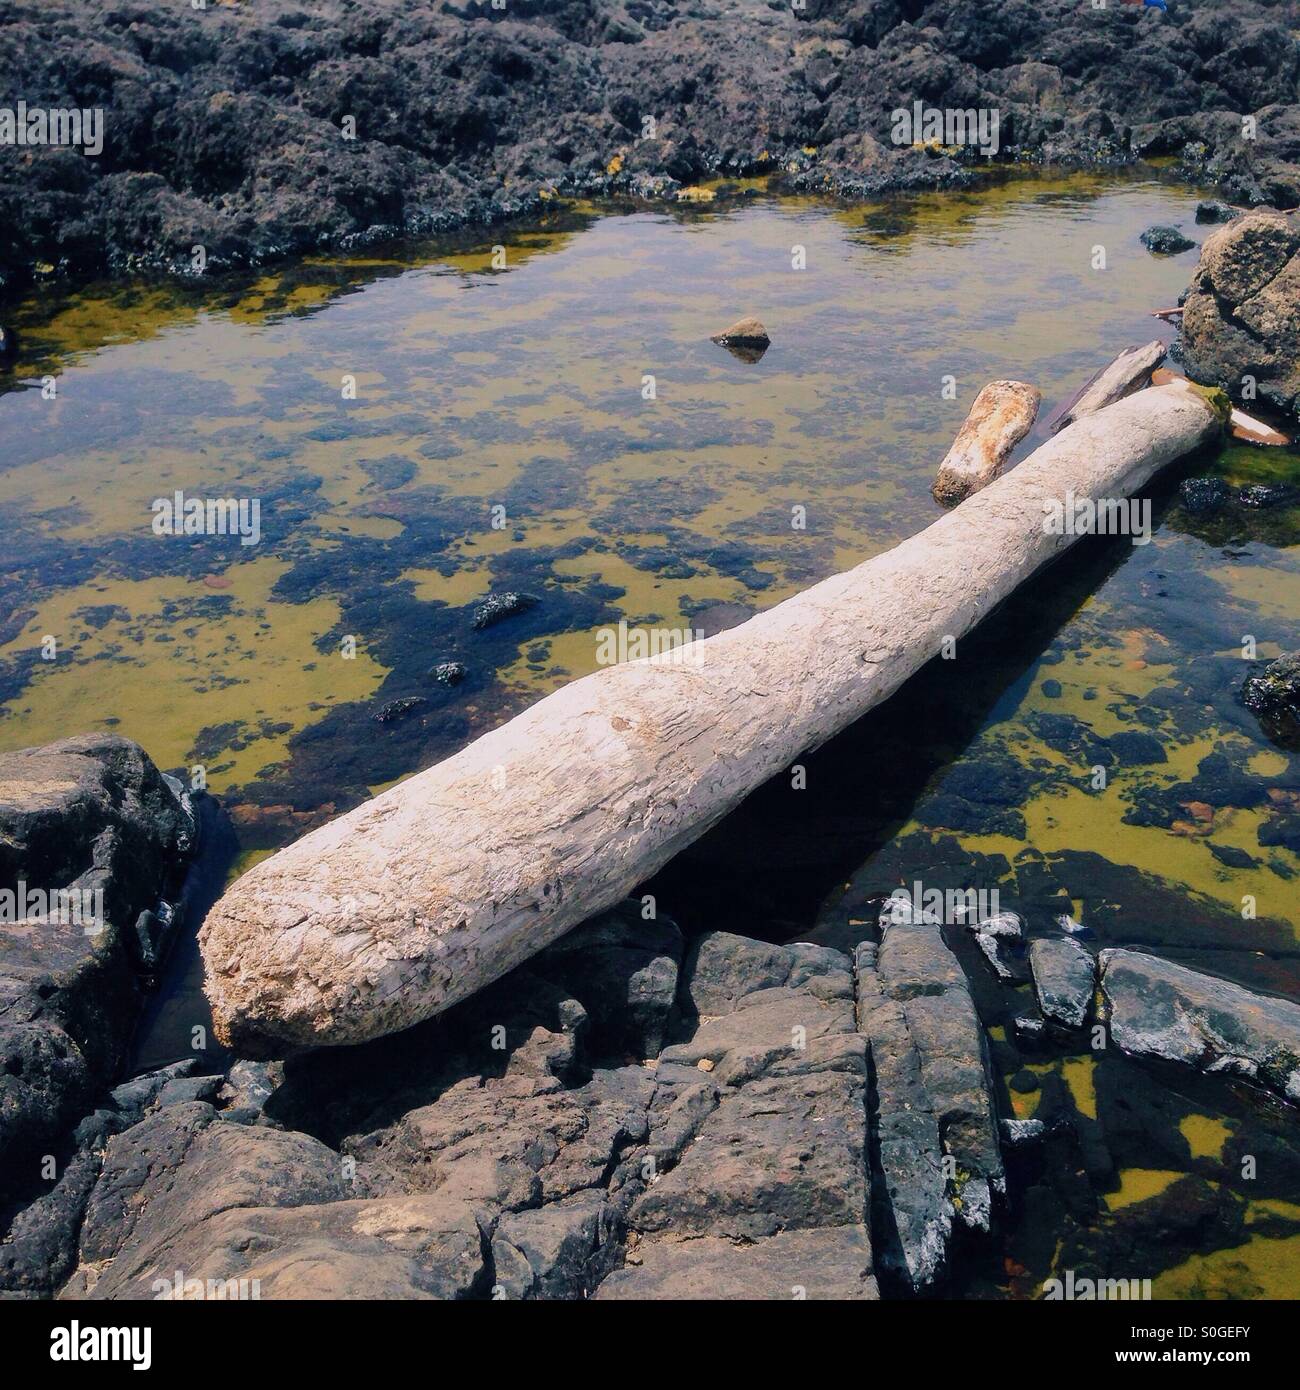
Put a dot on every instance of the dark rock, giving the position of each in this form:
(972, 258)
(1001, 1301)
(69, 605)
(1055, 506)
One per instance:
(1159, 1009)
(1204, 496)
(1258, 496)
(1273, 696)
(92, 819)
(1165, 241)
(448, 672)
(249, 1085)
(40, 1249)
(933, 1104)
(498, 607)
(182, 1089)
(1065, 978)
(555, 1251)
(1135, 748)
(167, 1178)
(994, 935)
(396, 710)
(1019, 1133)
(623, 969)
(1029, 1029)
(469, 114)
(8, 345)
(1233, 857)
(1212, 210)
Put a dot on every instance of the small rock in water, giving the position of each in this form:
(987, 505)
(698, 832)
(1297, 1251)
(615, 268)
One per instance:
(448, 672)
(1260, 495)
(1017, 1132)
(398, 709)
(993, 934)
(746, 339)
(746, 331)
(1165, 241)
(498, 607)
(1068, 924)
(1029, 1029)
(1211, 210)
(1204, 496)
(1273, 696)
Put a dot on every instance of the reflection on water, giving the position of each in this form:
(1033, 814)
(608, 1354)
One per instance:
(515, 387)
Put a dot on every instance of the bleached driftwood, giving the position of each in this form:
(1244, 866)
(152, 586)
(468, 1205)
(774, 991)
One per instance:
(1129, 372)
(1003, 413)
(441, 884)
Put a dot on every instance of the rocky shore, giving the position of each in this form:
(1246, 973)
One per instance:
(631, 1114)
(269, 131)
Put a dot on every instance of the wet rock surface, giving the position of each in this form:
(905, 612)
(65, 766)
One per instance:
(1241, 317)
(1274, 696)
(232, 127)
(1160, 1009)
(1065, 977)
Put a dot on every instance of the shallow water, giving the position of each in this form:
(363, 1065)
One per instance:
(523, 389)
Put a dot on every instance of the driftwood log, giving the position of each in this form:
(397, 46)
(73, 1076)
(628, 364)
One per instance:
(431, 890)
(1003, 413)
(1129, 372)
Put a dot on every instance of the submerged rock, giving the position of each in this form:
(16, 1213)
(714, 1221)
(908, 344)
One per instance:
(1065, 977)
(396, 710)
(1165, 241)
(448, 672)
(498, 607)
(1159, 1009)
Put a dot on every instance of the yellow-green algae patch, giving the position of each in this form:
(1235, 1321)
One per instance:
(1138, 1184)
(176, 657)
(1205, 1135)
(1260, 1268)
